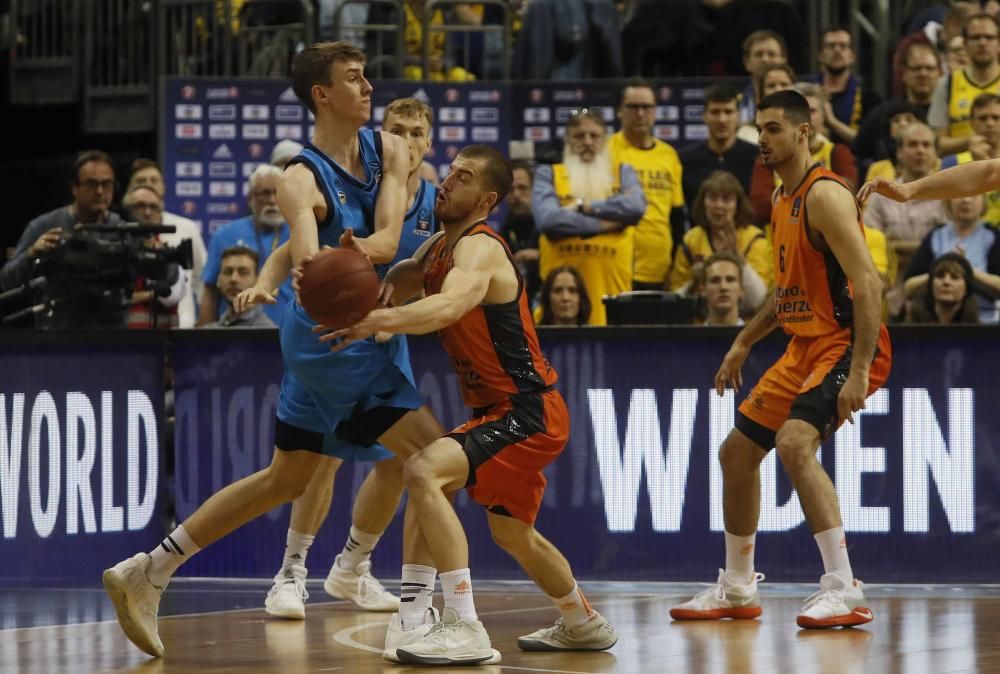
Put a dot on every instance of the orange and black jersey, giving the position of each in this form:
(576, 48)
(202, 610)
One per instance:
(812, 294)
(494, 348)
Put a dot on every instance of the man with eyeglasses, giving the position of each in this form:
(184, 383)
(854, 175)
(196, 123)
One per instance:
(849, 102)
(951, 105)
(658, 169)
(264, 230)
(93, 188)
(921, 73)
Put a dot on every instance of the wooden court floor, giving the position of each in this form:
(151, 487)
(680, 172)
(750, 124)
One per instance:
(916, 630)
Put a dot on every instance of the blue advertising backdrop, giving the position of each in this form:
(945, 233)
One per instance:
(81, 463)
(637, 492)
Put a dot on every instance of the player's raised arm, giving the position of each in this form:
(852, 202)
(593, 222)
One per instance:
(406, 278)
(476, 259)
(963, 180)
(832, 213)
(390, 204)
(298, 196)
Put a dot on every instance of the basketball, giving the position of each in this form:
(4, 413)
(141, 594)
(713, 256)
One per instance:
(339, 287)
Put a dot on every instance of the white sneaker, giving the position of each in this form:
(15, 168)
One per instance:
(596, 634)
(837, 604)
(452, 641)
(396, 636)
(725, 599)
(137, 601)
(287, 597)
(361, 587)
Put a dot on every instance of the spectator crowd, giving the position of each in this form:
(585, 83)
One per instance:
(620, 211)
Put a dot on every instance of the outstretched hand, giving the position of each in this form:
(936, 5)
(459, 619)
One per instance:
(252, 296)
(730, 374)
(363, 329)
(350, 242)
(887, 188)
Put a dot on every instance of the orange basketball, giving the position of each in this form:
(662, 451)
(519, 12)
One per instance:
(338, 287)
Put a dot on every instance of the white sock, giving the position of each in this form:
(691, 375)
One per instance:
(358, 548)
(457, 589)
(175, 549)
(833, 548)
(296, 548)
(739, 557)
(574, 607)
(416, 591)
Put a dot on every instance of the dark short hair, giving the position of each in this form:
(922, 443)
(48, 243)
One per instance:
(919, 44)
(88, 156)
(496, 173)
(241, 250)
(794, 105)
(547, 315)
(836, 28)
(523, 165)
(981, 16)
(311, 66)
(759, 36)
(722, 93)
(984, 99)
(634, 83)
(143, 163)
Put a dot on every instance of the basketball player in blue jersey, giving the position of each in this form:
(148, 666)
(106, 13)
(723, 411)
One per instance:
(348, 180)
(350, 576)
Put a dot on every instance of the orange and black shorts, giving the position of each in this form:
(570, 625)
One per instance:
(508, 446)
(804, 384)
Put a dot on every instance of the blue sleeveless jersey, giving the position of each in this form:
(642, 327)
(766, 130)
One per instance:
(419, 225)
(321, 389)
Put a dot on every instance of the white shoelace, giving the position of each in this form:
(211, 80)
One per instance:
(282, 580)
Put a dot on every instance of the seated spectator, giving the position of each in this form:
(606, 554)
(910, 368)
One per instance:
(722, 150)
(761, 49)
(722, 288)
(568, 40)
(723, 222)
(583, 208)
(564, 299)
(948, 298)
(983, 144)
(263, 231)
(899, 115)
(847, 101)
(658, 169)
(967, 235)
(518, 228)
(921, 72)
(237, 272)
(835, 156)
(154, 304)
(146, 172)
(777, 77)
(441, 68)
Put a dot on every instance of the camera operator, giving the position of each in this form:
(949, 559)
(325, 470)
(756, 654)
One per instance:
(93, 187)
(153, 303)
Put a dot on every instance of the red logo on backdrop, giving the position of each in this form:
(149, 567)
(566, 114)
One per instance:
(189, 207)
(234, 207)
(451, 95)
(537, 96)
(452, 152)
(666, 93)
(494, 95)
(233, 92)
(188, 92)
(256, 150)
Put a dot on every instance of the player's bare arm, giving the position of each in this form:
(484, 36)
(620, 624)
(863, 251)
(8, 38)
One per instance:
(963, 180)
(405, 281)
(832, 213)
(273, 274)
(730, 374)
(477, 259)
(299, 200)
(391, 202)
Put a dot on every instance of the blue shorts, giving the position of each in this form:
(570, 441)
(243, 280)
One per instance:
(338, 394)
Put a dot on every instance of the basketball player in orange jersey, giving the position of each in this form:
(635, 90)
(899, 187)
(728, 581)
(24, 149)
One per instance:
(827, 296)
(476, 300)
